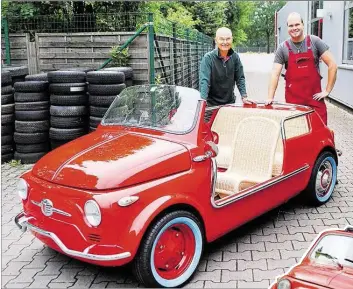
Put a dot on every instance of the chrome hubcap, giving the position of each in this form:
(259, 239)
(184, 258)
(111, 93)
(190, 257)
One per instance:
(324, 179)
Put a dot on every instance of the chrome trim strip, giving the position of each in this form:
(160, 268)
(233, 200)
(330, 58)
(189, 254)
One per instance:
(54, 209)
(213, 178)
(255, 190)
(21, 222)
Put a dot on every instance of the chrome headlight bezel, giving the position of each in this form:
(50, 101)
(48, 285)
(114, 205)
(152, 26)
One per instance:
(284, 284)
(92, 213)
(22, 189)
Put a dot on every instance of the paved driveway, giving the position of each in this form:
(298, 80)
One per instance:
(250, 257)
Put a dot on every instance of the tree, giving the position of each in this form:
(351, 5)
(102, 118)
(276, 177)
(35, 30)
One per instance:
(262, 28)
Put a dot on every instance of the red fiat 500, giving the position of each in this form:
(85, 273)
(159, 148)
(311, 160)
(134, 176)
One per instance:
(327, 264)
(163, 174)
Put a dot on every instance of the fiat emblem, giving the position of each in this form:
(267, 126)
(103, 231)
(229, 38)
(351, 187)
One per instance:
(47, 207)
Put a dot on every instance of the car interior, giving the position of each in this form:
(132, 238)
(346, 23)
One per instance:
(250, 146)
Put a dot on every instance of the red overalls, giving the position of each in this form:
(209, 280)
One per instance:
(303, 80)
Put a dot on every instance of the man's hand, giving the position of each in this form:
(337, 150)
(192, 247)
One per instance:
(321, 95)
(247, 100)
(269, 101)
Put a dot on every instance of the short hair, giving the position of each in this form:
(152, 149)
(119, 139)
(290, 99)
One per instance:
(224, 29)
(295, 14)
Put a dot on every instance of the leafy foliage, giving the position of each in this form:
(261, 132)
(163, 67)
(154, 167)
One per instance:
(120, 57)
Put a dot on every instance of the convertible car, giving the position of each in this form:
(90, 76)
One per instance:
(163, 174)
(327, 264)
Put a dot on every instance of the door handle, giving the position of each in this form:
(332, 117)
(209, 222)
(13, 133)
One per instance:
(204, 157)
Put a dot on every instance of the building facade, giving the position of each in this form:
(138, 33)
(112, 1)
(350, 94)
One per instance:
(333, 22)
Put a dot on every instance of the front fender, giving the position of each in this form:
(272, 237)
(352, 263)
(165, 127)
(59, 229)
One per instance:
(149, 214)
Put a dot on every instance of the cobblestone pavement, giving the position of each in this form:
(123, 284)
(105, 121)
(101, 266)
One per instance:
(249, 257)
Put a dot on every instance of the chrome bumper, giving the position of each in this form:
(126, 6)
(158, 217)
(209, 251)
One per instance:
(22, 222)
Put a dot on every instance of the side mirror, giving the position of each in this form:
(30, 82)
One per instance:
(215, 137)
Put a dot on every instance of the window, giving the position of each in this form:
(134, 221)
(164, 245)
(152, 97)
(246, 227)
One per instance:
(348, 33)
(316, 24)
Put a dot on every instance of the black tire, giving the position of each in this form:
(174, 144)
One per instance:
(97, 111)
(32, 115)
(68, 122)
(75, 99)
(17, 71)
(8, 89)
(5, 78)
(7, 98)
(28, 158)
(6, 158)
(33, 106)
(66, 76)
(84, 69)
(92, 129)
(7, 108)
(62, 134)
(6, 149)
(7, 139)
(37, 77)
(30, 138)
(33, 148)
(7, 119)
(55, 143)
(106, 89)
(32, 126)
(105, 77)
(325, 164)
(31, 96)
(188, 225)
(31, 86)
(94, 121)
(6, 129)
(101, 100)
(128, 71)
(65, 111)
(67, 88)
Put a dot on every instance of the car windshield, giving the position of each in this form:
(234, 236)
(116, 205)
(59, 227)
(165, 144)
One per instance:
(334, 249)
(167, 108)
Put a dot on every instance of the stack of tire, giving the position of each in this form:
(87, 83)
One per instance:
(68, 110)
(7, 117)
(31, 120)
(103, 88)
(128, 72)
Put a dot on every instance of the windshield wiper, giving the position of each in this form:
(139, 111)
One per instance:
(349, 260)
(328, 256)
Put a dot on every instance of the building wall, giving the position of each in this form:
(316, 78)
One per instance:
(333, 35)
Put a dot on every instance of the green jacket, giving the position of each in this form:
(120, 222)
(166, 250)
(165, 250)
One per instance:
(218, 77)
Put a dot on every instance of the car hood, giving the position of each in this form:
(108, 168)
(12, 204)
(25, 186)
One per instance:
(320, 275)
(102, 160)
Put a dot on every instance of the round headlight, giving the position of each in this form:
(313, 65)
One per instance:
(284, 284)
(22, 189)
(93, 213)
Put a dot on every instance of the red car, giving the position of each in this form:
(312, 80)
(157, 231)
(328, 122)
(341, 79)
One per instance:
(327, 264)
(163, 174)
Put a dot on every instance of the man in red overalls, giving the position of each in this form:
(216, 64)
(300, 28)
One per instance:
(301, 54)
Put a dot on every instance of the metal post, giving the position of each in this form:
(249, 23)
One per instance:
(188, 41)
(174, 54)
(151, 47)
(7, 40)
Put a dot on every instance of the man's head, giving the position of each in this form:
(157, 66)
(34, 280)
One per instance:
(224, 38)
(295, 26)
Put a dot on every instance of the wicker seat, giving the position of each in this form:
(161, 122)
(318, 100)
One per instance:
(252, 156)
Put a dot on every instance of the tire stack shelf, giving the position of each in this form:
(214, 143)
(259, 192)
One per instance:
(103, 88)
(31, 120)
(68, 110)
(7, 117)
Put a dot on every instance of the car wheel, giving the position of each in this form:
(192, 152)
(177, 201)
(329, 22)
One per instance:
(323, 179)
(170, 251)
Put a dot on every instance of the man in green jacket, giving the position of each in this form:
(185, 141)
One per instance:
(220, 70)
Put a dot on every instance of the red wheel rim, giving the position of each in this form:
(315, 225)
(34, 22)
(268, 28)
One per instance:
(174, 251)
